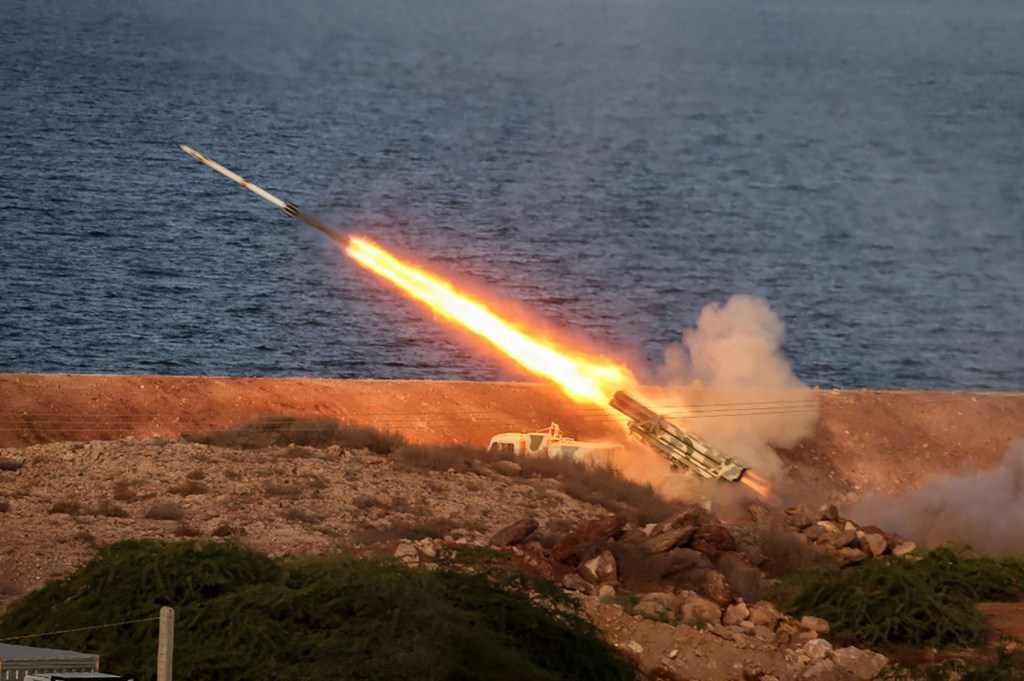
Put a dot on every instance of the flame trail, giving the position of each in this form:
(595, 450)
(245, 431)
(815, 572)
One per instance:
(757, 483)
(584, 378)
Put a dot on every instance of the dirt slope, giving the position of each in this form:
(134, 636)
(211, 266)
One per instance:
(865, 440)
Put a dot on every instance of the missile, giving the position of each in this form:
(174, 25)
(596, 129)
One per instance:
(680, 447)
(289, 208)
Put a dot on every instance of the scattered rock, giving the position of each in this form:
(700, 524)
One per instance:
(569, 547)
(820, 670)
(670, 539)
(758, 513)
(816, 649)
(721, 632)
(734, 614)
(829, 525)
(407, 553)
(514, 533)
(574, 582)
(606, 592)
(800, 517)
(873, 544)
(864, 664)
(850, 556)
(693, 515)
(695, 609)
(904, 548)
(717, 536)
(765, 614)
(815, 624)
(838, 540)
(829, 512)
(685, 568)
(658, 605)
(602, 568)
(716, 587)
(786, 633)
(814, 532)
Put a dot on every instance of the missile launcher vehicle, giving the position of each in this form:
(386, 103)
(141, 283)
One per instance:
(680, 447)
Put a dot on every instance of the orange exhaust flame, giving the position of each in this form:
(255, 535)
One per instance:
(757, 483)
(584, 378)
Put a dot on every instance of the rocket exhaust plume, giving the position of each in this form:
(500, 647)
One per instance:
(584, 378)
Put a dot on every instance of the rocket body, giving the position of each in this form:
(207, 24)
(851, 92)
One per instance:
(289, 208)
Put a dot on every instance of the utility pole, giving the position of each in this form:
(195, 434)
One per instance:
(165, 649)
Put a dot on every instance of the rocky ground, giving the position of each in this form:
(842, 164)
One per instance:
(657, 591)
(679, 595)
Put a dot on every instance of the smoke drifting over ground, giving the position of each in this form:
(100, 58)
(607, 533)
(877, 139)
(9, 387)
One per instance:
(984, 509)
(729, 382)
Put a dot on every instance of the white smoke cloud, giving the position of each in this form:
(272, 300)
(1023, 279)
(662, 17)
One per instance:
(737, 387)
(983, 509)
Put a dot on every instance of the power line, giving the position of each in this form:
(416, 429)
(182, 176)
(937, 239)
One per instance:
(69, 631)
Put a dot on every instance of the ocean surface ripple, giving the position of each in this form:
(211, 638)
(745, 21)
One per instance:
(611, 166)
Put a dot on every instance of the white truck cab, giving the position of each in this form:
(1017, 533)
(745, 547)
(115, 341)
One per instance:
(551, 442)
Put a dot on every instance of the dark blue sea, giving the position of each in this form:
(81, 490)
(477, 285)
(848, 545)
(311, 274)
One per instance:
(611, 165)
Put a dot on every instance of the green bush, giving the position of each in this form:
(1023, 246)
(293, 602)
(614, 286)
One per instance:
(597, 485)
(928, 602)
(280, 431)
(243, 615)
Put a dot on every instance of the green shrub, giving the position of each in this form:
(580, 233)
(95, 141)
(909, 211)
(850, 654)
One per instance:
(280, 431)
(242, 615)
(593, 484)
(783, 552)
(439, 457)
(67, 507)
(165, 510)
(123, 492)
(108, 509)
(929, 602)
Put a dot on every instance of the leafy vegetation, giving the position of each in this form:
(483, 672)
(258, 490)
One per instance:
(593, 484)
(243, 615)
(928, 602)
(280, 431)
(782, 553)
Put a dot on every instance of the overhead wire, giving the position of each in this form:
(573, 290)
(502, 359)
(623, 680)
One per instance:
(82, 422)
(76, 629)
